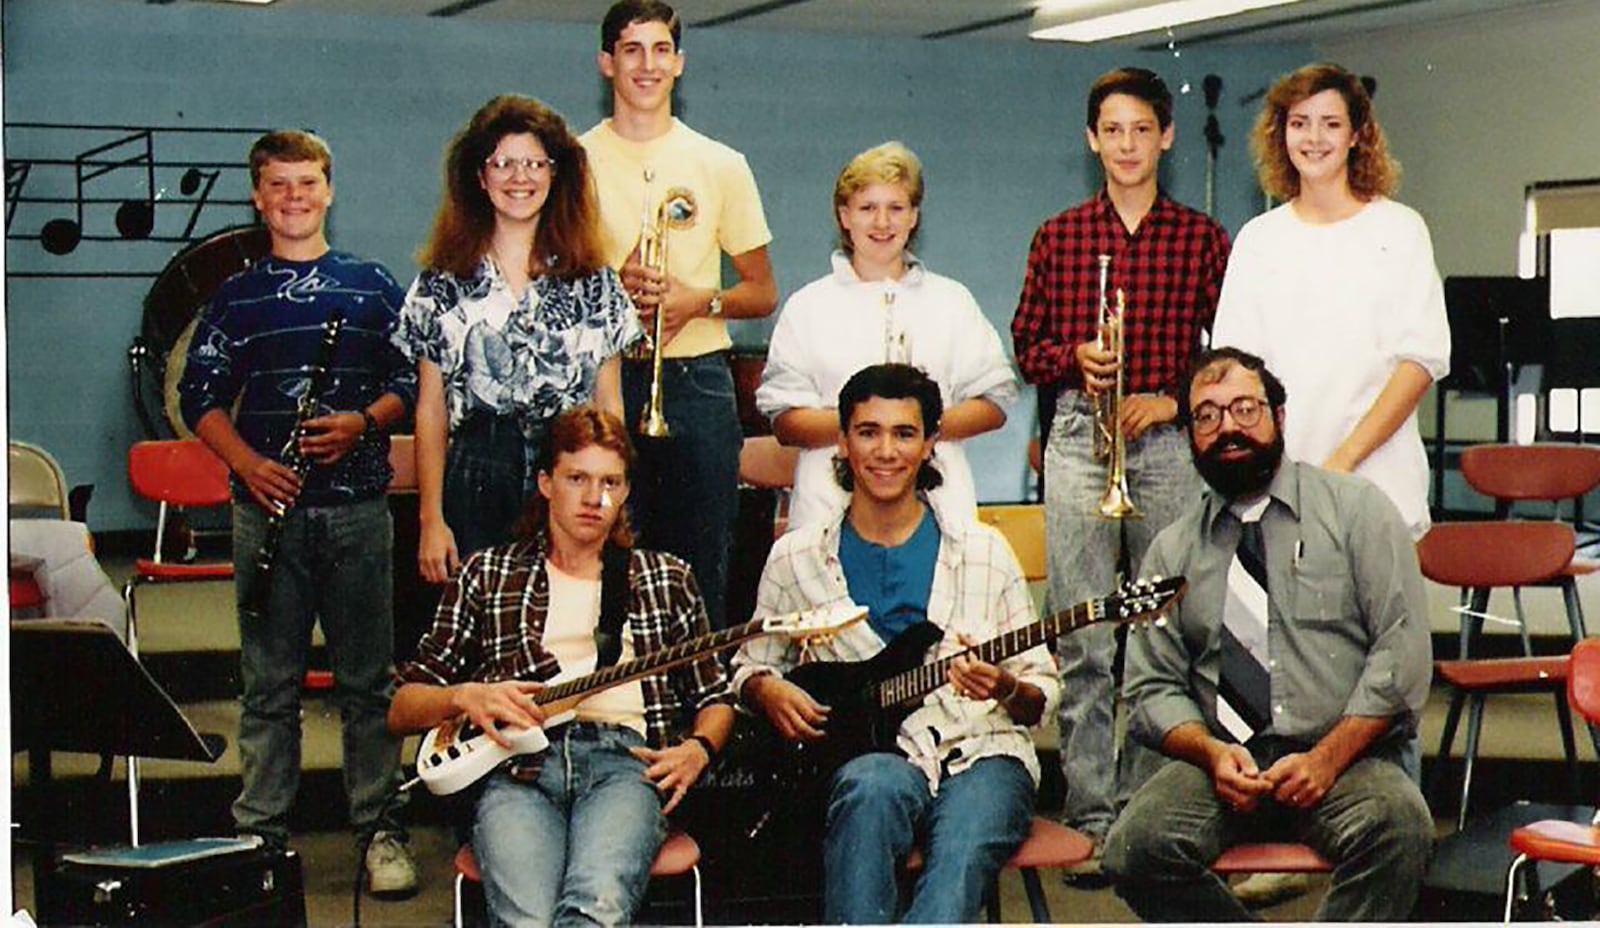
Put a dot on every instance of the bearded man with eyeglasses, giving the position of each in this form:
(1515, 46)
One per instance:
(1286, 685)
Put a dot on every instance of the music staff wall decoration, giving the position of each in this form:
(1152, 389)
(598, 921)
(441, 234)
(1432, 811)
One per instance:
(78, 189)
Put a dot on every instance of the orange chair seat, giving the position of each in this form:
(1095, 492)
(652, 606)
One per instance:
(1048, 844)
(150, 570)
(1563, 842)
(1508, 674)
(678, 855)
(1270, 857)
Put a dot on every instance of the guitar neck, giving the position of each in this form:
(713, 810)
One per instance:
(570, 692)
(920, 681)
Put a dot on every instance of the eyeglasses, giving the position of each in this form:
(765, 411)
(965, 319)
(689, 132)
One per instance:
(1245, 410)
(507, 167)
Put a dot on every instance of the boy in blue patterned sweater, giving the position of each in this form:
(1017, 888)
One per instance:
(255, 345)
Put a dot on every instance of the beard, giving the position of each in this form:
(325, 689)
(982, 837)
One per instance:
(1246, 476)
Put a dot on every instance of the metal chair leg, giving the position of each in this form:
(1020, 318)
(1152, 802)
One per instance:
(1036, 900)
(1522, 621)
(1512, 872)
(1447, 739)
(1476, 600)
(699, 911)
(1474, 724)
(1564, 715)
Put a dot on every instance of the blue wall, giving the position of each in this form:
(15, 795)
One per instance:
(996, 124)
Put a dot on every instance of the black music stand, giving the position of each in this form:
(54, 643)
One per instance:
(76, 687)
(1570, 364)
(1496, 324)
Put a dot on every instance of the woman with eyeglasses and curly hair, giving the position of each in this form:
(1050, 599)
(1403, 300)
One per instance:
(1337, 288)
(515, 317)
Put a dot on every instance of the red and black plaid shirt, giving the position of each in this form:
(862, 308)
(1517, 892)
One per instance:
(1171, 271)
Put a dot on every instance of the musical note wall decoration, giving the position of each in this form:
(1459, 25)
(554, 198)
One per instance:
(89, 195)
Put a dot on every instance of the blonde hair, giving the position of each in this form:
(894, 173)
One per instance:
(889, 163)
(1372, 173)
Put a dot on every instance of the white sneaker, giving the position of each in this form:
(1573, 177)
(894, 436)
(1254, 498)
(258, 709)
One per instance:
(390, 869)
(1259, 890)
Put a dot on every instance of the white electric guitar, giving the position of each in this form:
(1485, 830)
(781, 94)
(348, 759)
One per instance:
(455, 754)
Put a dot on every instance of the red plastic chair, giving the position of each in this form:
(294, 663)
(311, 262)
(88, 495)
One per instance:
(679, 854)
(1270, 857)
(1547, 472)
(1048, 845)
(1559, 841)
(1478, 556)
(183, 473)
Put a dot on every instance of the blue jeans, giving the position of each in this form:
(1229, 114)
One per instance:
(575, 845)
(334, 563)
(880, 806)
(1083, 551)
(685, 493)
(488, 477)
(1373, 826)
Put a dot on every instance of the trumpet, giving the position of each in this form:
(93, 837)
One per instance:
(1110, 444)
(653, 254)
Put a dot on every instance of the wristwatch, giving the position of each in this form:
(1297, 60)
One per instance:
(371, 427)
(714, 308)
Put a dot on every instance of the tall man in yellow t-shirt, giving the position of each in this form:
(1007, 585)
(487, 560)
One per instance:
(685, 493)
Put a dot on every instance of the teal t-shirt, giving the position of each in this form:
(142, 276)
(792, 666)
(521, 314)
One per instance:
(893, 583)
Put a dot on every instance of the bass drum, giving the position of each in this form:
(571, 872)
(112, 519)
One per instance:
(170, 310)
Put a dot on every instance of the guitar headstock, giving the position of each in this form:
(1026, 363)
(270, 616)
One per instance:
(820, 622)
(1145, 600)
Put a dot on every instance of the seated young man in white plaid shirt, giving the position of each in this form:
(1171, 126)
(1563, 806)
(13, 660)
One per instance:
(962, 771)
(567, 835)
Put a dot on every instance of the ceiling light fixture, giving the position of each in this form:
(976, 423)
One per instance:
(1094, 20)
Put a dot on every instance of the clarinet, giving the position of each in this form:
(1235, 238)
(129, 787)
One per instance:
(296, 460)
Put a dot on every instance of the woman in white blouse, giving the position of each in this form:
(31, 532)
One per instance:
(1337, 288)
(880, 304)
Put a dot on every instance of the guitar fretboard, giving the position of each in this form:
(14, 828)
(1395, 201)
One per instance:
(655, 660)
(920, 681)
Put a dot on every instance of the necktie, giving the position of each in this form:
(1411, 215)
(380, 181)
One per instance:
(1244, 691)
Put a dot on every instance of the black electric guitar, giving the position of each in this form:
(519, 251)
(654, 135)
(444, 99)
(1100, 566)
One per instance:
(869, 699)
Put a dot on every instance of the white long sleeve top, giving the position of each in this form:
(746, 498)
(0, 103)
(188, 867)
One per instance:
(838, 324)
(1333, 309)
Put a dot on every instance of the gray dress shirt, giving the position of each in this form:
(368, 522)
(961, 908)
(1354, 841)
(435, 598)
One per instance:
(1348, 626)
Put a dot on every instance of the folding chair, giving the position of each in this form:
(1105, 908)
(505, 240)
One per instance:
(36, 481)
(36, 485)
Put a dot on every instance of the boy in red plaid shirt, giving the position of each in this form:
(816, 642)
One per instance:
(1168, 260)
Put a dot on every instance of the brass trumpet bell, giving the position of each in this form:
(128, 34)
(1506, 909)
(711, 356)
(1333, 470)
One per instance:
(1117, 503)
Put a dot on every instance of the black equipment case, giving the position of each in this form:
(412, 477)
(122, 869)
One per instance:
(255, 887)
